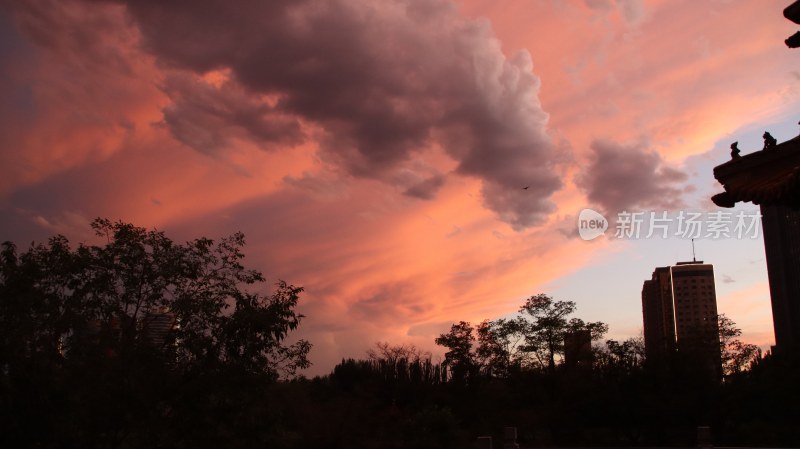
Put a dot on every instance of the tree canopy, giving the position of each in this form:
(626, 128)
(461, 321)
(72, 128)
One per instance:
(532, 339)
(736, 355)
(53, 298)
(139, 341)
(135, 315)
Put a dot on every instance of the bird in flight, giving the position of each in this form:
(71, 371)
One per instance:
(525, 188)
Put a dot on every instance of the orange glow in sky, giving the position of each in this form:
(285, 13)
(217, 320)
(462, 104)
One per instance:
(376, 152)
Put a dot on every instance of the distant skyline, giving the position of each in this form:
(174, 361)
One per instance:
(375, 152)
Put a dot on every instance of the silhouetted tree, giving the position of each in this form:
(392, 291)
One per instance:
(547, 325)
(492, 354)
(460, 357)
(621, 357)
(392, 353)
(130, 328)
(736, 355)
(596, 329)
(499, 346)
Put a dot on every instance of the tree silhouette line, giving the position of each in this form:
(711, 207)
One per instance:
(144, 342)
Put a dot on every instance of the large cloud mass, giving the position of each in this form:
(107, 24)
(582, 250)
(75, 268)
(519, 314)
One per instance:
(621, 176)
(367, 147)
(374, 84)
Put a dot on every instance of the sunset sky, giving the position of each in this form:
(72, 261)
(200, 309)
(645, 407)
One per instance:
(375, 151)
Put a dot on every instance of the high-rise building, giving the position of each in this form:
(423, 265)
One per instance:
(679, 310)
(658, 314)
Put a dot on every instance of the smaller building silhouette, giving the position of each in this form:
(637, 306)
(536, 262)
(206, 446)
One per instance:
(578, 348)
(658, 315)
(157, 326)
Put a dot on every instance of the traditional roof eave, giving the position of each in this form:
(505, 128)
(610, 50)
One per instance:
(769, 177)
(792, 12)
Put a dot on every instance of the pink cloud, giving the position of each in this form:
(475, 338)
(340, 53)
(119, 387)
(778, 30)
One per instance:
(377, 85)
(377, 155)
(621, 176)
(78, 97)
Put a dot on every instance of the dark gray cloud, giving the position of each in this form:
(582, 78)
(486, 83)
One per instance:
(64, 89)
(374, 83)
(622, 176)
(426, 189)
(633, 11)
(320, 187)
(600, 5)
(74, 30)
(431, 330)
(207, 117)
(726, 279)
(455, 231)
(398, 301)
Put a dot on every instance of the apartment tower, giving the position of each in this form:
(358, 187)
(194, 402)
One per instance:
(679, 310)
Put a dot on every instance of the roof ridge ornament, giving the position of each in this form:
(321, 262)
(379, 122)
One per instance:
(769, 141)
(735, 150)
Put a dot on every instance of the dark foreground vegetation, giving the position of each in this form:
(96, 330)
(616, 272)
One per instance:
(141, 342)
